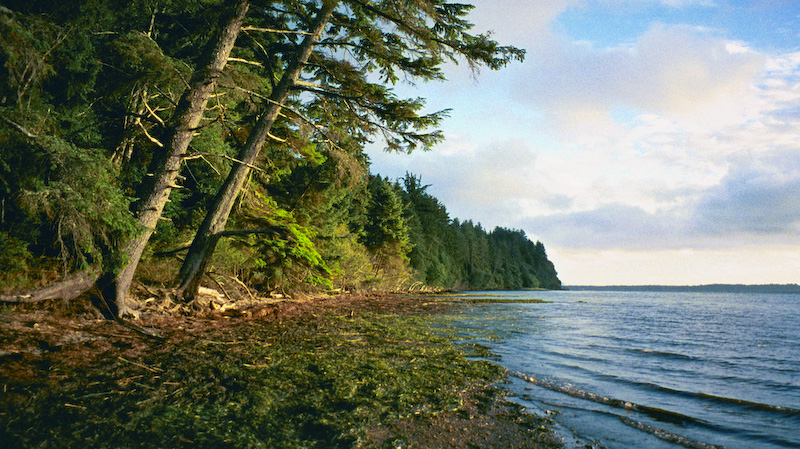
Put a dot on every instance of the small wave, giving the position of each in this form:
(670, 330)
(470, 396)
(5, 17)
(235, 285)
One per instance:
(668, 436)
(757, 406)
(663, 354)
(750, 405)
(653, 412)
(656, 413)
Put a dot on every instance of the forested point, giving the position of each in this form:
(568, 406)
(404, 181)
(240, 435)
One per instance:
(223, 143)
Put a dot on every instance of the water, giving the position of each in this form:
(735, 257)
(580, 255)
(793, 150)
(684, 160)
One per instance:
(621, 370)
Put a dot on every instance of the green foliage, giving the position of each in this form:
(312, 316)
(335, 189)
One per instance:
(283, 252)
(87, 93)
(66, 202)
(15, 261)
(385, 225)
(386, 235)
(25, 43)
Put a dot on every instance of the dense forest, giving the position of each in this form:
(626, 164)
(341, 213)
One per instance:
(185, 141)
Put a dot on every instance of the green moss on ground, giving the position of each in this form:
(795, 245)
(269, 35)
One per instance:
(322, 378)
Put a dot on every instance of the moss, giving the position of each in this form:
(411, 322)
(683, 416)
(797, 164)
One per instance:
(494, 299)
(323, 381)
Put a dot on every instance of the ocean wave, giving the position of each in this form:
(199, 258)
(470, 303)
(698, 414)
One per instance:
(652, 412)
(656, 413)
(663, 354)
(756, 406)
(668, 436)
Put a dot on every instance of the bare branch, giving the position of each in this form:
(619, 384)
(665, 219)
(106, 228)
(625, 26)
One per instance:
(151, 138)
(151, 111)
(307, 84)
(274, 30)
(19, 127)
(246, 61)
(224, 156)
(276, 138)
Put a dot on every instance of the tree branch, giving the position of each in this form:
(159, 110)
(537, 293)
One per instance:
(246, 61)
(233, 232)
(199, 155)
(19, 127)
(274, 30)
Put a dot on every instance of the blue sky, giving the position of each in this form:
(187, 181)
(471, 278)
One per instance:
(642, 141)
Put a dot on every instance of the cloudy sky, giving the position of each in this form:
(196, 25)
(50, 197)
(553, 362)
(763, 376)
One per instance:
(642, 141)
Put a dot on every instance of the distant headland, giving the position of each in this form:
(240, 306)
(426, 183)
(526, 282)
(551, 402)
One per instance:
(709, 288)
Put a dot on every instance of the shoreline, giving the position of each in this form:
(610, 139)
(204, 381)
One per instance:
(360, 371)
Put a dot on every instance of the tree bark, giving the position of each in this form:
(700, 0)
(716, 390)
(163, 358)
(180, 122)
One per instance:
(181, 130)
(209, 233)
(68, 288)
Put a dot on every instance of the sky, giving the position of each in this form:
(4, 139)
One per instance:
(642, 141)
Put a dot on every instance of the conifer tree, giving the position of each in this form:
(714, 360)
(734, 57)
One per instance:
(208, 235)
(167, 165)
(391, 38)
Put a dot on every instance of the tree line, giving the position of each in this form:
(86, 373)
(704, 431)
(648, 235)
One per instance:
(227, 138)
(447, 252)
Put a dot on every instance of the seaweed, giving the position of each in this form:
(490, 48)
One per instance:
(327, 378)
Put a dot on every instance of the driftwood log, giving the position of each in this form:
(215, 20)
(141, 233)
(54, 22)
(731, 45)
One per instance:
(68, 288)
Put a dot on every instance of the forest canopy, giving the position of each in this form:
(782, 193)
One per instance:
(227, 138)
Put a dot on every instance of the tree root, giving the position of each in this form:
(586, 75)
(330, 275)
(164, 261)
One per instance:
(69, 288)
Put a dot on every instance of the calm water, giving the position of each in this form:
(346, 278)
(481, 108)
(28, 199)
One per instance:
(652, 370)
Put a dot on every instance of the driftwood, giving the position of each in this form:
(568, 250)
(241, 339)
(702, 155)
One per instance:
(69, 288)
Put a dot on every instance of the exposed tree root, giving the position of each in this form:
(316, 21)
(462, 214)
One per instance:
(69, 288)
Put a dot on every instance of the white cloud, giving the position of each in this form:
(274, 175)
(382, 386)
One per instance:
(758, 198)
(608, 227)
(683, 73)
(680, 145)
(519, 22)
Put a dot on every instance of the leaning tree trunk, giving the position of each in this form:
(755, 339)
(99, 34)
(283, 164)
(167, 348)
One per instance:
(209, 233)
(181, 130)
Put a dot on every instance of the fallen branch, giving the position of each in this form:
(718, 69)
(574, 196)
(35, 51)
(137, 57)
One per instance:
(243, 285)
(148, 368)
(227, 296)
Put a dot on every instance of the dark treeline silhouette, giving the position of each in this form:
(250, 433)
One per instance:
(461, 254)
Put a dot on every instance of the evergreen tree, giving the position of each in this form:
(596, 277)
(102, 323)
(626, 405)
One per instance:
(167, 164)
(462, 255)
(51, 138)
(173, 121)
(208, 234)
(391, 38)
(385, 231)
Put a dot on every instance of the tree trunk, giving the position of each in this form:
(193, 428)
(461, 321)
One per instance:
(181, 130)
(209, 233)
